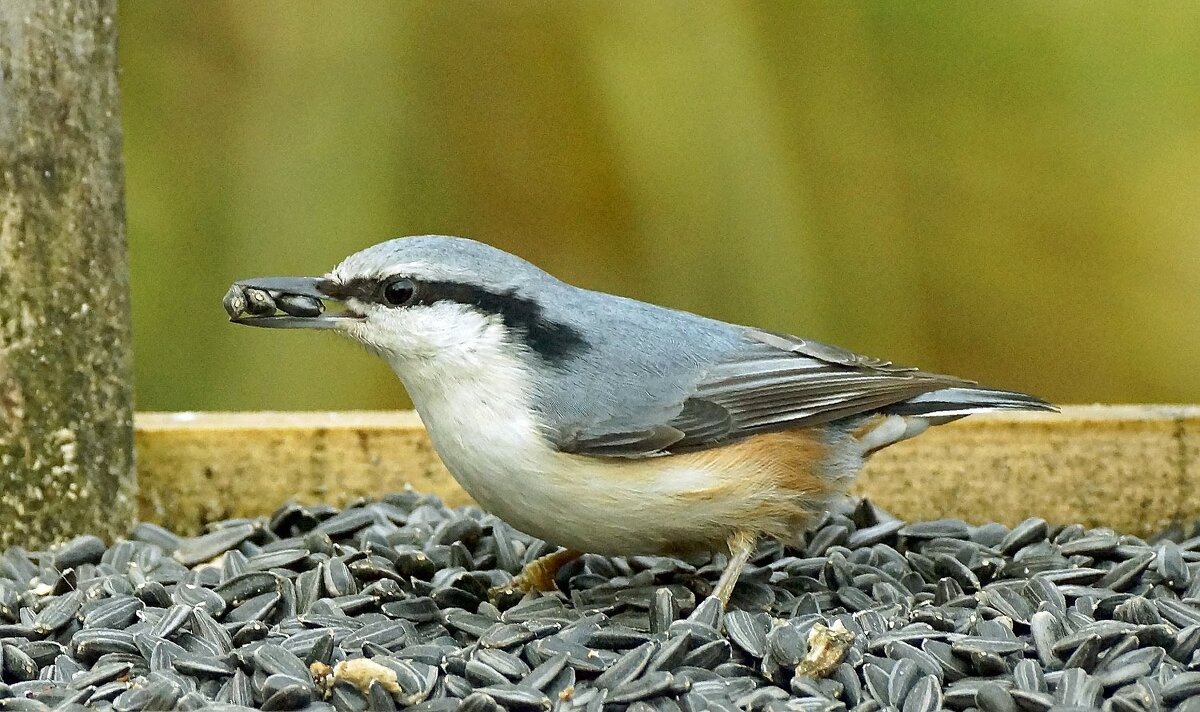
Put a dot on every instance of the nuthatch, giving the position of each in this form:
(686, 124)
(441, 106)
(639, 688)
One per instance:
(609, 425)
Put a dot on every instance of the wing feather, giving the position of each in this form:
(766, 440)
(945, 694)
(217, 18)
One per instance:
(774, 382)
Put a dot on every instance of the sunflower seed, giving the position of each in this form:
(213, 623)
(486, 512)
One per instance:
(645, 687)
(258, 608)
(171, 621)
(274, 659)
(938, 529)
(926, 663)
(239, 589)
(421, 609)
(1027, 675)
(925, 696)
(748, 631)
(875, 534)
(1086, 655)
(387, 633)
(1032, 701)
(89, 645)
(516, 698)
(478, 702)
(193, 596)
(1183, 686)
(542, 675)
(1123, 574)
(991, 697)
(283, 692)
(1076, 688)
(1046, 632)
(58, 613)
(482, 675)
(153, 694)
(86, 549)
(664, 610)
(505, 664)
(709, 655)
(1180, 613)
(115, 612)
(199, 549)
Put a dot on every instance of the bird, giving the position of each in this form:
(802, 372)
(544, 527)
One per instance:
(607, 425)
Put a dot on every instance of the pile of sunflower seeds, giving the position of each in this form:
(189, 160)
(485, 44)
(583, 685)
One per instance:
(386, 605)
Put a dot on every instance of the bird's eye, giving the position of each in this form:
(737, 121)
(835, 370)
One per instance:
(398, 291)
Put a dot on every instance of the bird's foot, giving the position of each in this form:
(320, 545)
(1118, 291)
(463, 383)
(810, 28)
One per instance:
(537, 575)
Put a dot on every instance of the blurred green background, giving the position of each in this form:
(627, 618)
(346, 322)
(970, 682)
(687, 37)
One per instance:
(1007, 192)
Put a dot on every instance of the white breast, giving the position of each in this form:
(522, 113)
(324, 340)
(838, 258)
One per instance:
(485, 434)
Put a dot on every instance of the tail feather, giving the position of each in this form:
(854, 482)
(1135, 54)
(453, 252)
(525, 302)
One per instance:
(911, 417)
(956, 402)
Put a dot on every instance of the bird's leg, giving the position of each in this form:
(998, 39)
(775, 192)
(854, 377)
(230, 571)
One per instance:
(741, 546)
(538, 575)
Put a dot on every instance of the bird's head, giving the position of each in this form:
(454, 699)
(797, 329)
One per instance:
(418, 298)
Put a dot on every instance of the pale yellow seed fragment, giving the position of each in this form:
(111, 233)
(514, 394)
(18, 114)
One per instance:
(361, 672)
(826, 648)
(322, 675)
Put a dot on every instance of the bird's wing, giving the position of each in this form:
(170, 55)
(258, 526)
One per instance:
(774, 382)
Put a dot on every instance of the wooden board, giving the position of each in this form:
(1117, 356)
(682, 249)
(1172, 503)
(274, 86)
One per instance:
(1133, 468)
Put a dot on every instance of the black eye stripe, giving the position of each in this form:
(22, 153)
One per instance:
(365, 290)
(555, 342)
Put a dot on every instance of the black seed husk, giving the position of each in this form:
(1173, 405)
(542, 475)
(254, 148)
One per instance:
(260, 613)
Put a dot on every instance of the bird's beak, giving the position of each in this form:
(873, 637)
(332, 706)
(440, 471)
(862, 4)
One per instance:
(284, 303)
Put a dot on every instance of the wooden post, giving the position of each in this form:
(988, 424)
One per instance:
(66, 461)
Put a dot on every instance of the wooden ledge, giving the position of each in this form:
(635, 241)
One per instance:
(1133, 468)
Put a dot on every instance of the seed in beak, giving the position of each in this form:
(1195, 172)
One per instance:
(259, 303)
(234, 301)
(299, 305)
